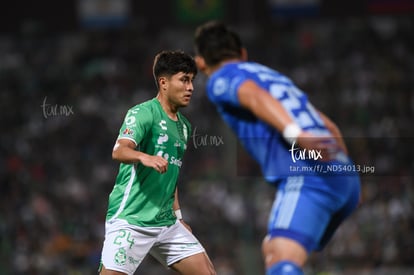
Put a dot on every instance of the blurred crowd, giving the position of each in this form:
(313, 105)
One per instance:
(63, 98)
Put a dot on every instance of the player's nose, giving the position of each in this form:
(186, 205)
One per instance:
(190, 87)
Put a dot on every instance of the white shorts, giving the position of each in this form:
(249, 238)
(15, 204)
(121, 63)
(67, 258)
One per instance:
(126, 245)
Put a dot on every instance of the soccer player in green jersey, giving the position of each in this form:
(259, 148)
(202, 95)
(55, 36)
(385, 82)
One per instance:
(144, 215)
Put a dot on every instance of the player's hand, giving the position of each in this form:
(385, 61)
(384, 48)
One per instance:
(160, 164)
(326, 147)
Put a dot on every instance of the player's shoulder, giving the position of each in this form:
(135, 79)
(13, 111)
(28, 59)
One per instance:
(223, 84)
(232, 72)
(143, 111)
(143, 107)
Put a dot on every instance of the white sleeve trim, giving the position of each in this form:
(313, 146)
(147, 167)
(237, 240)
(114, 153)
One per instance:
(131, 139)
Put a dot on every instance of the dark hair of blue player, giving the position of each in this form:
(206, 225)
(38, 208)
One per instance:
(215, 42)
(169, 63)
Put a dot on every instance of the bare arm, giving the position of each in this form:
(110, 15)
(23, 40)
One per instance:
(270, 110)
(176, 204)
(124, 151)
(176, 207)
(263, 105)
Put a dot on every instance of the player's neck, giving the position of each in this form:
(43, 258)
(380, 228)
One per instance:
(170, 109)
(210, 70)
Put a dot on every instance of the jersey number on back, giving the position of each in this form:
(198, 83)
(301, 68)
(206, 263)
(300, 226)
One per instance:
(304, 114)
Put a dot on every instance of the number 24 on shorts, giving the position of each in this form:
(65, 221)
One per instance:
(122, 234)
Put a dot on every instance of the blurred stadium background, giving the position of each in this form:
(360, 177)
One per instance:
(69, 70)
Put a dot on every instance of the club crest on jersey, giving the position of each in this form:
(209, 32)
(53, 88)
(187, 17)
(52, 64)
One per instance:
(220, 86)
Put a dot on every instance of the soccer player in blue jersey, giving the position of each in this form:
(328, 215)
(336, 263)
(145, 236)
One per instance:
(299, 149)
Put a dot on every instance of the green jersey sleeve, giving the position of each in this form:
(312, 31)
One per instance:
(137, 123)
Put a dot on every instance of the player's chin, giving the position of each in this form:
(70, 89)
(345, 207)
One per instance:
(185, 101)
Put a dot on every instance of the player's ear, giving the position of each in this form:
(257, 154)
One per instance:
(244, 55)
(162, 82)
(200, 62)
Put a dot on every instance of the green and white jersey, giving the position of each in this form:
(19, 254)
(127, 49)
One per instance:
(141, 195)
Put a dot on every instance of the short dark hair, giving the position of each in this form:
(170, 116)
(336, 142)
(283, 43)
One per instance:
(168, 63)
(215, 42)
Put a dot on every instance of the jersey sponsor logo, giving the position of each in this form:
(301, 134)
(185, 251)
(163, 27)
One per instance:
(173, 160)
(176, 161)
(162, 154)
(163, 124)
(220, 86)
(128, 132)
(162, 138)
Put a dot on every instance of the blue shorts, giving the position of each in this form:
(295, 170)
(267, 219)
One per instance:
(309, 209)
